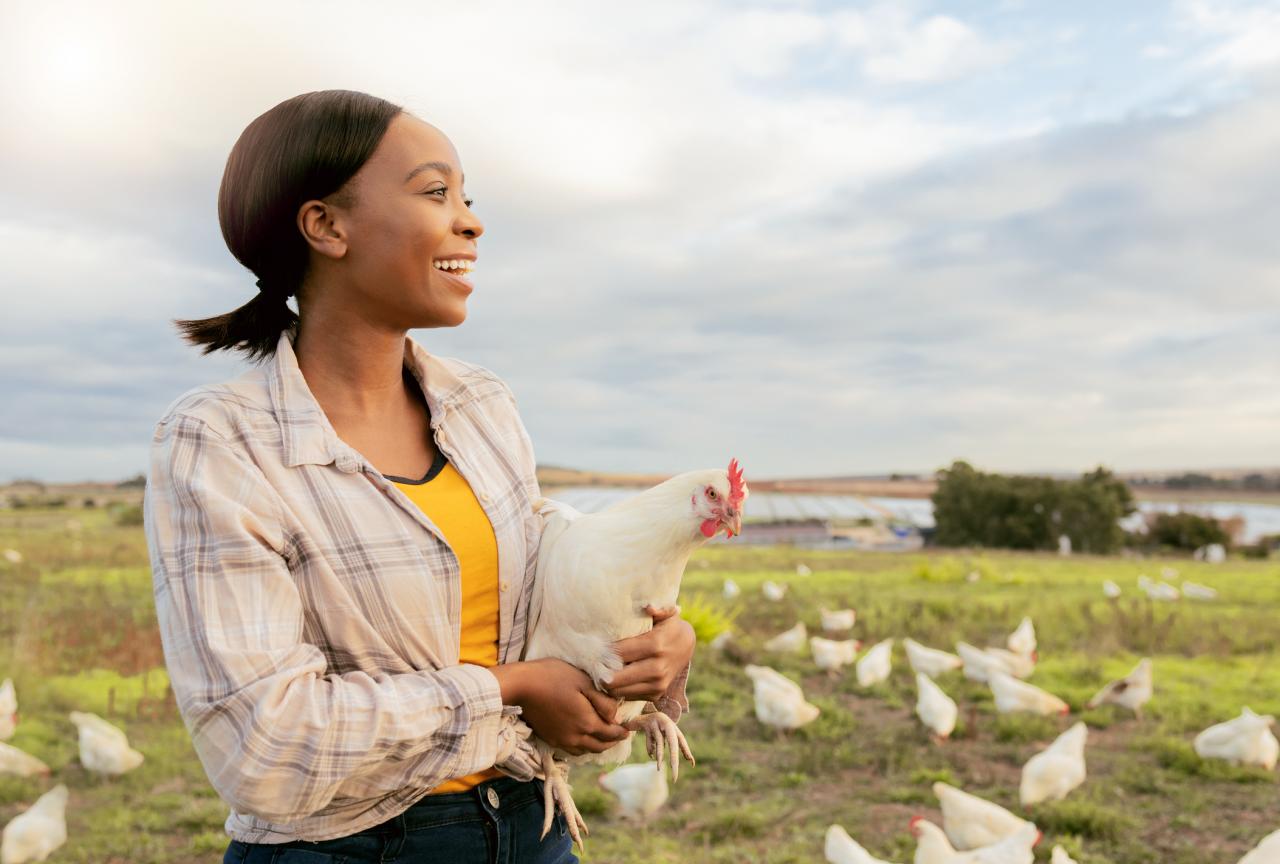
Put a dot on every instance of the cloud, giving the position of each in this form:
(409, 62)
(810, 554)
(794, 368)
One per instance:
(712, 231)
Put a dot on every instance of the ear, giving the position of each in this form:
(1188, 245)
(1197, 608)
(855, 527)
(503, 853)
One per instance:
(322, 228)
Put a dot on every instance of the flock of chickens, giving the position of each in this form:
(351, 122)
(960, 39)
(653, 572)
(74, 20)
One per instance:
(974, 831)
(104, 749)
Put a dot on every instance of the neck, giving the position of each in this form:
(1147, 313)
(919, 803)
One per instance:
(354, 370)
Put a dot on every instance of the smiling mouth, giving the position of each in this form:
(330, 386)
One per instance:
(457, 276)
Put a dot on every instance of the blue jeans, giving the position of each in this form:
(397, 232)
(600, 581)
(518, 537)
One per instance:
(497, 822)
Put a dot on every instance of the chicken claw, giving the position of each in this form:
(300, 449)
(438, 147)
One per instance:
(555, 790)
(660, 732)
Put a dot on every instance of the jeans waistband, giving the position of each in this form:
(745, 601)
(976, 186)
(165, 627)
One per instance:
(474, 803)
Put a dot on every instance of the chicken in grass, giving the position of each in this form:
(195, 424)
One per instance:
(788, 641)
(1266, 852)
(1060, 856)
(21, 763)
(932, 846)
(930, 661)
(1055, 771)
(34, 834)
(8, 710)
(839, 848)
(104, 748)
(1132, 691)
(831, 655)
(780, 702)
(935, 708)
(1012, 695)
(972, 822)
(1023, 639)
(1246, 740)
(596, 575)
(640, 790)
(838, 620)
(876, 664)
(772, 591)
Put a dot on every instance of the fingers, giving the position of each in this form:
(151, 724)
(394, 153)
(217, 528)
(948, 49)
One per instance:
(606, 706)
(660, 613)
(634, 648)
(644, 680)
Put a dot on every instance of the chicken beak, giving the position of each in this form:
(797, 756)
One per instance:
(734, 526)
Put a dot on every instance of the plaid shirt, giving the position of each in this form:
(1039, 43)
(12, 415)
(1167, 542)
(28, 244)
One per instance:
(309, 611)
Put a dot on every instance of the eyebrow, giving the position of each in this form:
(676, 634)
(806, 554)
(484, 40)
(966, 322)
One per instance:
(443, 167)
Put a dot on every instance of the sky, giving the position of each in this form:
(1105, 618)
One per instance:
(823, 238)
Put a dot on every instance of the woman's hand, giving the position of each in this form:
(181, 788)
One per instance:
(561, 705)
(653, 660)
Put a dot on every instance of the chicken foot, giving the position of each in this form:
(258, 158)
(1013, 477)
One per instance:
(661, 732)
(555, 790)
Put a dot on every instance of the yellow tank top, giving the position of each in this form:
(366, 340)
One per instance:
(447, 500)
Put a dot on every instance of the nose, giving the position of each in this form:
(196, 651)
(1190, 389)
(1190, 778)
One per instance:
(468, 224)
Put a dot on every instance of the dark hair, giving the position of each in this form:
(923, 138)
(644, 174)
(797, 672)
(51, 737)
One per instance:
(305, 148)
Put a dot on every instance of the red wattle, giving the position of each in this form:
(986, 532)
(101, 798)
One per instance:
(709, 527)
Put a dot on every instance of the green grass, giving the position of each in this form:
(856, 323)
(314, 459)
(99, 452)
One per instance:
(77, 631)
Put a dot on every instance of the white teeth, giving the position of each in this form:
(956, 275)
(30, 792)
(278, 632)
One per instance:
(459, 264)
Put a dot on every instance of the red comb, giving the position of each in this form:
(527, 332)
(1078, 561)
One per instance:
(736, 489)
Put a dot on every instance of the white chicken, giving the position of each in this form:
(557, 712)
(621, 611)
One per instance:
(1246, 740)
(1158, 590)
(33, 835)
(932, 847)
(596, 573)
(840, 848)
(1196, 591)
(8, 710)
(13, 556)
(1023, 639)
(780, 702)
(1012, 695)
(1060, 856)
(802, 569)
(972, 822)
(772, 591)
(731, 590)
(641, 791)
(1055, 771)
(930, 661)
(1132, 691)
(15, 761)
(104, 748)
(788, 640)
(831, 655)
(876, 664)
(979, 663)
(1266, 852)
(936, 709)
(1017, 665)
(1110, 589)
(838, 620)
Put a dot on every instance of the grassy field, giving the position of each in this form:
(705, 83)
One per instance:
(77, 631)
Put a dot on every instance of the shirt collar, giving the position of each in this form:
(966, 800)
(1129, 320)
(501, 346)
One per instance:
(307, 436)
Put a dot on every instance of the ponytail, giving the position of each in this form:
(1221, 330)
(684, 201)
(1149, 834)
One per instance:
(306, 148)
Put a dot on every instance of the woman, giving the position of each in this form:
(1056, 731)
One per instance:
(342, 539)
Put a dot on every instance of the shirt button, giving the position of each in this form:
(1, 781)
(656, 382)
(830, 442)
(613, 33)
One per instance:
(484, 497)
(505, 585)
(492, 795)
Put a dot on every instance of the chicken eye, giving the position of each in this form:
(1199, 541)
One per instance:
(711, 493)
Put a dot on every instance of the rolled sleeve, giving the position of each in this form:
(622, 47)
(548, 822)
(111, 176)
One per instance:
(276, 735)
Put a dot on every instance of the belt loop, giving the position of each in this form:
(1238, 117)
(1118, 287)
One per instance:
(395, 842)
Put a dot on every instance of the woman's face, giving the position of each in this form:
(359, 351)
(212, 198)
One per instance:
(410, 213)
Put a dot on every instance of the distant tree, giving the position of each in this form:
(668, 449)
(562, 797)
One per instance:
(138, 481)
(1186, 531)
(973, 508)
